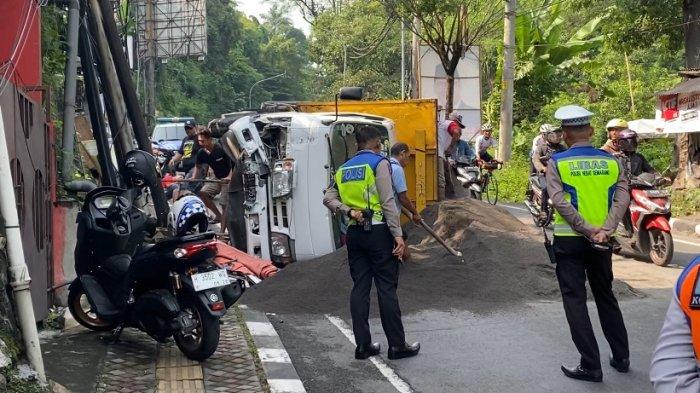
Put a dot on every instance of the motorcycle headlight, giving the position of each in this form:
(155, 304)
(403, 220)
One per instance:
(282, 178)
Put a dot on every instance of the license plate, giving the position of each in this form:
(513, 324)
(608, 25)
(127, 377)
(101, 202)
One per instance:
(208, 280)
(658, 193)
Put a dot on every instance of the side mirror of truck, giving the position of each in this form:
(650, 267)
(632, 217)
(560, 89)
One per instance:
(351, 93)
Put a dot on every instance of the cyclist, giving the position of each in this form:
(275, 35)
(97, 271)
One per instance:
(483, 142)
(551, 137)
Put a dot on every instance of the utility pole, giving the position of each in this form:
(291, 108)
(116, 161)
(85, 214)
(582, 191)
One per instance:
(415, 61)
(506, 129)
(403, 61)
(149, 77)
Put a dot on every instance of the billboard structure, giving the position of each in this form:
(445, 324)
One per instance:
(467, 88)
(178, 28)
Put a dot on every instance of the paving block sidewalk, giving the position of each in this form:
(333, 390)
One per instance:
(138, 364)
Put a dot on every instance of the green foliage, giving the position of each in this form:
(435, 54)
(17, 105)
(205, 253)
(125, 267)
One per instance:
(241, 51)
(372, 63)
(685, 202)
(53, 56)
(512, 179)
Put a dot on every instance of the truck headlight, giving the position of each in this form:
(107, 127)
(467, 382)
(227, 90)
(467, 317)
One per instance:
(282, 178)
(280, 247)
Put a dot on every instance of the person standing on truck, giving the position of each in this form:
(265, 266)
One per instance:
(362, 191)
(211, 157)
(590, 193)
(449, 132)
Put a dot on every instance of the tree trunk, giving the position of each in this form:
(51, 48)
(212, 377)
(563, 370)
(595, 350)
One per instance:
(449, 99)
(691, 14)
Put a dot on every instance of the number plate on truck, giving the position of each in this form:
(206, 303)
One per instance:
(208, 280)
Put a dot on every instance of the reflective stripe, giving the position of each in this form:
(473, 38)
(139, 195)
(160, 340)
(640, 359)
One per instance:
(686, 293)
(564, 230)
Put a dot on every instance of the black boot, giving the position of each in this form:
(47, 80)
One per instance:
(365, 351)
(405, 351)
(583, 374)
(622, 365)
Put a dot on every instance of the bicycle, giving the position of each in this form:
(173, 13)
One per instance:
(487, 182)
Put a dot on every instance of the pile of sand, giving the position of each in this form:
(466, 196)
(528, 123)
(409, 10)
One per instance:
(505, 265)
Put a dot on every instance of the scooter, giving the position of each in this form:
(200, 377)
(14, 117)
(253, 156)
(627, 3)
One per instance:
(646, 228)
(167, 289)
(468, 176)
(542, 214)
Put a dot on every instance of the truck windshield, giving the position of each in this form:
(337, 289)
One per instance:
(169, 132)
(343, 144)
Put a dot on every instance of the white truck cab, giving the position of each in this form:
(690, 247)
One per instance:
(288, 160)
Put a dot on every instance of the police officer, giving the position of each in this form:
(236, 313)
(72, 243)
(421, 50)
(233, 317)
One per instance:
(589, 191)
(675, 364)
(363, 192)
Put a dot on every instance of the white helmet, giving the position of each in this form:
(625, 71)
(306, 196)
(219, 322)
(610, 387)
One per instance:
(487, 127)
(546, 128)
(188, 213)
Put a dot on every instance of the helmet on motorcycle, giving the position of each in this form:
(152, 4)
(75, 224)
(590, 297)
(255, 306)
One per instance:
(627, 141)
(551, 134)
(140, 169)
(188, 214)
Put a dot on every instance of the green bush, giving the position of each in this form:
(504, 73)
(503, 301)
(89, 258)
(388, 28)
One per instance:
(685, 202)
(512, 179)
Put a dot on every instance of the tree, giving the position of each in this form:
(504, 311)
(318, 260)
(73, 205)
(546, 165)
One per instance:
(448, 27)
(691, 29)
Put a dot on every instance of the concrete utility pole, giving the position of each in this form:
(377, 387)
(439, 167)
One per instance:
(506, 130)
(403, 61)
(149, 77)
(415, 61)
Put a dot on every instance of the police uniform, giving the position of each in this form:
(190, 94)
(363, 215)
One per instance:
(675, 364)
(589, 192)
(364, 182)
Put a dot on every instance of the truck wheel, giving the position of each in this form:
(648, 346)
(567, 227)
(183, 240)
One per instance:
(81, 310)
(660, 247)
(200, 343)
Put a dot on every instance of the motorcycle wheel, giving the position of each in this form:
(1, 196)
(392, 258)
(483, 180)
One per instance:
(660, 247)
(201, 343)
(81, 310)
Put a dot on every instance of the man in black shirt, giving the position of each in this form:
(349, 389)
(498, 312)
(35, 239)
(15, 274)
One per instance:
(185, 156)
(212, 156)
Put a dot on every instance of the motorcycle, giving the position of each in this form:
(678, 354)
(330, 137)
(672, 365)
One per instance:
(646, 228)
(167, 289)
(542, 214)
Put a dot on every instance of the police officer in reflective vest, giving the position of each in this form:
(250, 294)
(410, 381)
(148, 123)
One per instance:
(590, 193)
(675, 365)
(363, 192)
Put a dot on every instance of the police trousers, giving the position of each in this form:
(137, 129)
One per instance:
(576, 260)
(370, 258)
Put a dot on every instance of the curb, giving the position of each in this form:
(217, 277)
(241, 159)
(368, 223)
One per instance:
(281, 375)
(679, 224)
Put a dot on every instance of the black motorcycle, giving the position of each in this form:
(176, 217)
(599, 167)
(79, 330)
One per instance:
(542, 213)
(167, 289)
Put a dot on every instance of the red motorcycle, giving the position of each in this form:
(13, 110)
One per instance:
(646, 227)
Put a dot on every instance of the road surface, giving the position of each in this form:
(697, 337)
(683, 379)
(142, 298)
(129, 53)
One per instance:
(510, 350)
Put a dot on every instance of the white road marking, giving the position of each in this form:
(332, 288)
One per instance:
(261, 329)
(515, 207)
(388, 373)
(286, 386)
(271, 355)
(686, 242)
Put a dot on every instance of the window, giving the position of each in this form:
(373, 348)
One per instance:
(18, 183)
(38, 213)
(26, 113)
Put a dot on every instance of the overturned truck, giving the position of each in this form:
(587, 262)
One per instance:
(287, 159)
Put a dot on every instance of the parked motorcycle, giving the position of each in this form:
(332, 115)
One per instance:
(646, 228)
(168, 289)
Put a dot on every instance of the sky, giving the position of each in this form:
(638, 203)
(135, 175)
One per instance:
(258, 8)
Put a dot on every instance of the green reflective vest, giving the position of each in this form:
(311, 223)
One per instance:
(589, 179)
(356, 183)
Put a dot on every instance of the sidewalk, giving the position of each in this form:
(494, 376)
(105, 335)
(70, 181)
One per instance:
(689, 224)
(85, 361)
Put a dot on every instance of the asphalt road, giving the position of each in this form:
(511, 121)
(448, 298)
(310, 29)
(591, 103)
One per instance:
(512, 350)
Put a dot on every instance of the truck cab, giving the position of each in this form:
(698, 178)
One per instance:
(288, 160)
